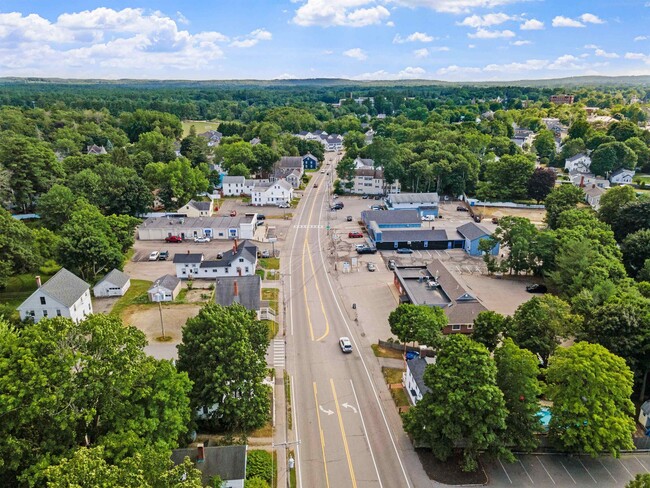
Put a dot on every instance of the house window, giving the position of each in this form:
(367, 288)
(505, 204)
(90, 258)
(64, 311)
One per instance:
(246, 269)
(42, 300)
(44, 313)
(227, 270)
(31, 313)
(455, 328)
(241, 260)
(58, 312)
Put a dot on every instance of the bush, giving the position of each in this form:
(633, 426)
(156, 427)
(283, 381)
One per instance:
(50, 267)
(260, 465)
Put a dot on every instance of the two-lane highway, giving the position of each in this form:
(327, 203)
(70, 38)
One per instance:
(345, 436)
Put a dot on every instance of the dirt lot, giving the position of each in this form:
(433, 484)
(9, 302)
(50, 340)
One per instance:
(147, 319)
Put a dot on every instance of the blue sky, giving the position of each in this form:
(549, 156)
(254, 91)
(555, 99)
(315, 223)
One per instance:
(359, 39)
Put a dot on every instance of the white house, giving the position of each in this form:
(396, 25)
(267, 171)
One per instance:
(578, 164)
(233, 186)
(63, 295)
(164, 289)
(241, 260)
(114, 284)
(523, 137)
(370, 181)
(272, 193)
(593, 194)
(584, 180)
(362, 163)
(622, 176)
(333, 142)
(196, 209)
(413, 378)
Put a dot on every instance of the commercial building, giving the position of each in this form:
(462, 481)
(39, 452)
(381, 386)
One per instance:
(424, 203)
(216, 227)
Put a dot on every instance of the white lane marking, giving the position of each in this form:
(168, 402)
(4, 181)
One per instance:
(328, 412)
(525, 471)
(588, 472)
(347, 405)
(365, 432)
(610, 474)
(644, 466)
(365, 367)
(567, 472)
(504, 470)
(549, 474)
(625, 467)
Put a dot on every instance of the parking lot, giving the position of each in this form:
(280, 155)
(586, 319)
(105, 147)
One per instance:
(561, 470)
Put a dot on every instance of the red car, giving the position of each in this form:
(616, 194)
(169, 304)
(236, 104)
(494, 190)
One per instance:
(233, 213)
(353, 235)
(173, 239)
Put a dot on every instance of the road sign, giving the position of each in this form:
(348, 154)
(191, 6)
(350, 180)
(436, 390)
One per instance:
(328, 227)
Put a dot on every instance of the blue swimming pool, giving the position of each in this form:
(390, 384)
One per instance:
(544, 415)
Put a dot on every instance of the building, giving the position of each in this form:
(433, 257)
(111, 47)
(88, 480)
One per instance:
(363, 163)
(290, 168)
(272, 193)
(94, 149)
(554, 125)
(387, 239)
(425, 203)
(215, 227)
(114, 284)
(330, 142)
(472, 234)
(584, 180)
(188, 264)
(622, 176)
(213, 137)
(233, 186)
(370, 181)
(593, 194)
(63, 295)
(435, 286)
(644, 417)
(562, 99)
(245, 290)
(196, 209)
(397, 219)
(255, 141)
(309, 161)
(523, 137)
(227, 462)
(241, 260)
(164, 289)
(413, 379)
(579, 163)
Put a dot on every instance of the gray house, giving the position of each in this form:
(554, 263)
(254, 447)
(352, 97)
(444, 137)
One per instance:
(245, 290)
(228, 462)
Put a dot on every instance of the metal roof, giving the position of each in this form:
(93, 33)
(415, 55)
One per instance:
(408, 216)
(188, 258)
(422, 198)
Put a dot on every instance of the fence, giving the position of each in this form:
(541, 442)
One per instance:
(400, 347)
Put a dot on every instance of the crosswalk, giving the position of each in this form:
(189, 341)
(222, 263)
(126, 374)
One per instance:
(278, 353)
(308, 226)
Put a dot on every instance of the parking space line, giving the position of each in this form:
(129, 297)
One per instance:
(526, 471)
(549, 474)
(588, 472)
(644, 466)
(610, 474)
(504, 470)
(567, 472)
(625, 467)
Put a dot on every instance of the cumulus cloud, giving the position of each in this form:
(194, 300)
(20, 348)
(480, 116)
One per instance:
(532, 24)
(604, 54)
(485, 20)
(421, 53)
(252, 39)
(411, 73)
(453, 6)
(453, 69)
(520, 43)
(415, 37)
(488, 34)
(591, 19)
(561, 21)
(640, 38)
(408, 73)
(638, 57)
(351, 13)
(356, 53)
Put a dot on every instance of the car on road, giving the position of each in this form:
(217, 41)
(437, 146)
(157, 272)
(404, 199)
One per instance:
(372, 267)
(154, 256)
(233, 213)
(536, 288)
(391, 264)
(366, 250)
(163, 255)
(461, 208)
(173, 239)
(315, 185)
(202, 239)
(365, 197)
(345, 345)
(349, 218)
(322, 171)
(355, 235)
(404, 250)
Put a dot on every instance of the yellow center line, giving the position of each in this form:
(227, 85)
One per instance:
(345, 440)
(322, 437)
(304, 290)
(320, 299)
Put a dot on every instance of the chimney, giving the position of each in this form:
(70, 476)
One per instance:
(582, 182)
(234, 247)
(200, 453)
(38, 281)
(235, 298)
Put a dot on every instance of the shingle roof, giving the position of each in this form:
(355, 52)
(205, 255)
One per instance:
(621, 171)
(167, 281)
(202, 206)
(375, 173)
(290, 162)
(245, 250)
(423, 198)
(229, 462)
(577, 156)
(249, 291)
(65, 287)
(188, 258)
(417, 366)
(472, 231)
(366, 162)
(463, 311)
(408, 216)
(233, 179)
(115, 277)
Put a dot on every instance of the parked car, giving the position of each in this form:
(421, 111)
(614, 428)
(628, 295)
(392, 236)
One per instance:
(345, 345)
(372, 267)
(461, 208)
(261, 217)
(477, 218)
(163, 255)
(379, 197)
(173, 239)
(202, 239)
(404, 250)
(366, 250)
(391, 264)
(266, 253)
(428, 218)
(349, 218)
(536, 288)
(154, 256)
(355, 235)
(365, 197)
(233, 213)
(375, 207)
(315, 185)
(337, 206)
(283, 205)
(495, 220)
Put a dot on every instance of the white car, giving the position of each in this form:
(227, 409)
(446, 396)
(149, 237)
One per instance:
(283, 205)
(201, 239)
(154, 256)
(345, 345)
(428, 218)
(322, 171)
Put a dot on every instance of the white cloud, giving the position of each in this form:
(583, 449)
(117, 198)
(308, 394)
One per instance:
(591, 19)
(485, 20)
(406, 73)
(286, 76)
(520, 43)
(604, 54)
(638, 57)
(409, 72)
(356, 53)
(181, 18)
(471, 46)
(488, 34)
(591, 46)
(252, 39)
(453, 6)
(326, 13)
(454, 69)
(529, 65)
(532, 24)
(566, 62)
(415, 37)
(390, 23)
(421, 53)
(561, 21)
(640, 38)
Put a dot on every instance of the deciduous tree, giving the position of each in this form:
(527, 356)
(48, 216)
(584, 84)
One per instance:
(418, 323)
(561, 198)
(489, 328)
(541, 182)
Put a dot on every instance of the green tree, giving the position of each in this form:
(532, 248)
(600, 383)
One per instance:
(464, 408)
(517, 371)
(580, 129)
(489, 328)
(541, 323)
(561, 198)
(346, 171)
(239, 170)
(353, 143)
(236, 153)
(223, 353)
(141, 121)
(611, 156)
(590, 389)
(259, 464)
(541, 182)
(195, 148)
(418, 323)
(17, 255)
(639, 481)
(507, 178)
(545, 145)
(518, 234)
(623, 130)
(265, 157)
(255, 483)
(155, 143)
(636, 250)
(178, 181)
(633, 217)
(612, 202)
(56, 206)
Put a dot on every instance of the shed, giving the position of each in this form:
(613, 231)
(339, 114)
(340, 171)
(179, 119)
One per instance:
(114, 284)
(168, 286)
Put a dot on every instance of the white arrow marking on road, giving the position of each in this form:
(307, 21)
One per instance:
(347, 405)
(328, 412)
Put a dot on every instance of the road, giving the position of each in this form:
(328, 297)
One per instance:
(348, 436)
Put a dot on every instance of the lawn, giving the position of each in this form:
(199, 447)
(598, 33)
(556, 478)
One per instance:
(136, 294)
(269, 263)
(19, 288)
(200, 126)
(382, 352)
(392, 375)
(271, 295)
(260, 273)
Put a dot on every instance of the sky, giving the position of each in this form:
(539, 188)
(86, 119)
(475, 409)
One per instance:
(452, 40)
